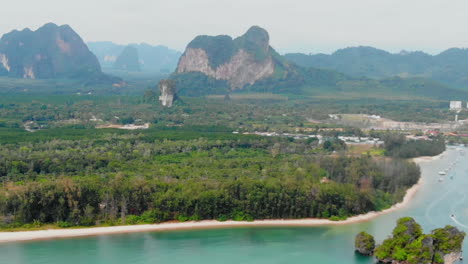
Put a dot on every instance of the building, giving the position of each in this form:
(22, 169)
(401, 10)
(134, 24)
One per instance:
(455, 105)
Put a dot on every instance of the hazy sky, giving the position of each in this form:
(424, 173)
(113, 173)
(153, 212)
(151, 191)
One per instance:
(294, 25)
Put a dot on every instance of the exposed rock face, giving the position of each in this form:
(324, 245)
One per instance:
(241, 70)
(4, 62)
(448, 242)
(50, 52)
(364, 244)
(168, 92)
(242, 61)
(452, 258)
(128, 60)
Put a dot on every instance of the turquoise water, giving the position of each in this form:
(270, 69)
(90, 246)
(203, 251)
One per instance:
(431, 206)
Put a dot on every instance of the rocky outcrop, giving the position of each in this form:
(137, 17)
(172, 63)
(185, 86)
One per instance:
(4, 62)
(453, 257)
(448, 243)
(240, 71)
(409, 245)
(50, 52)
(364, 244)
(241, 62)
(167, 89)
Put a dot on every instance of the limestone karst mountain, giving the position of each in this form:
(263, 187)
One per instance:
(151, 58)
(215, 62)
(221, 65)
(49, 52)
(128, 60)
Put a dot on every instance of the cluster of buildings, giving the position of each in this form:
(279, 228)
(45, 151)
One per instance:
(457, 105)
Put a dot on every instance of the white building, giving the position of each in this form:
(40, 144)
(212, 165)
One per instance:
(455, 105)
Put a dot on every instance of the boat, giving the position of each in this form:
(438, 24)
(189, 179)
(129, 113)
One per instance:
(442, 173)
(441, 179)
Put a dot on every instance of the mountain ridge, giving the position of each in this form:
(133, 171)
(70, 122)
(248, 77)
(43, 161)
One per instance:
(158, 58)
(448, 67)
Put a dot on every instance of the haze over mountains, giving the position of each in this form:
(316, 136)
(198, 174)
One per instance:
(222, 64)
(151, 58)
(128, 60)
(449, 67)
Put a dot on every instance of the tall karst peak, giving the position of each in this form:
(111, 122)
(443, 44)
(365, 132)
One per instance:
(241, 62)
(258, 36)
(128, 60)
(51, 51)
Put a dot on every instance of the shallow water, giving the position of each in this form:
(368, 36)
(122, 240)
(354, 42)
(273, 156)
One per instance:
(432, 207)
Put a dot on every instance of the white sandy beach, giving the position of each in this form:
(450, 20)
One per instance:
(80, 232)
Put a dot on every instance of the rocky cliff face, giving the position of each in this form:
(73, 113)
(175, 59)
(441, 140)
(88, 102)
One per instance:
(448, 244)
(167, 89)
(240, 71)
(241, 62)
(50, 52)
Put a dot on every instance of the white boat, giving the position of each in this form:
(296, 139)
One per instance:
(442, 173)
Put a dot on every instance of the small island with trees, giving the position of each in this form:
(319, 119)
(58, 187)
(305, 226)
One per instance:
(409, 245)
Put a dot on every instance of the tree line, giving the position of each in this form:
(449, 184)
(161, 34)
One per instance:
(140, 178)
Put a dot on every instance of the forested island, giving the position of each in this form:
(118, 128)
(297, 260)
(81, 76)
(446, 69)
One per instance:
(410, 245)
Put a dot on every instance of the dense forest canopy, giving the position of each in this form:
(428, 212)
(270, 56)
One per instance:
(189, 164)
(112, 177)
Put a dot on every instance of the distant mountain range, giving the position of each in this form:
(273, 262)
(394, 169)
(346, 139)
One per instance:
(50, 52)
(128, 60)
(150, 58)
(449, 67)
(221, 65)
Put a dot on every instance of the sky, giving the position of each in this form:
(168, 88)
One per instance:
(308, 26)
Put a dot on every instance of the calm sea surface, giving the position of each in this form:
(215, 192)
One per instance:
(431, 207)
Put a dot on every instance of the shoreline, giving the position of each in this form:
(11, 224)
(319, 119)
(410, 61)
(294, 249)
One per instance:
(18, 236)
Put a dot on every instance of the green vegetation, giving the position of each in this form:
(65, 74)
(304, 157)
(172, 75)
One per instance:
(396, 145)
(409, 245)
(448, 67)
(87, 177)
(303, 78)
(364, 244)
(219, 49)
(189, 165)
